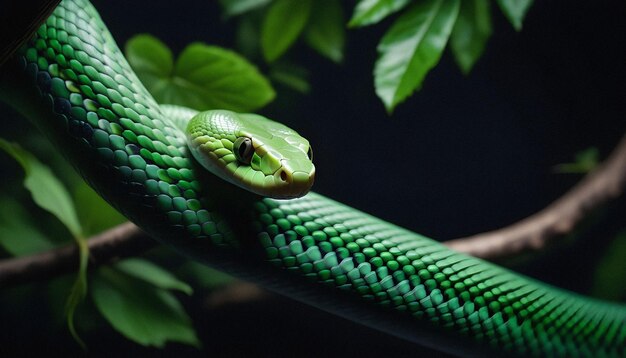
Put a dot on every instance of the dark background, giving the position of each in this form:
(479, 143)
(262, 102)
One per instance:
(463, 156)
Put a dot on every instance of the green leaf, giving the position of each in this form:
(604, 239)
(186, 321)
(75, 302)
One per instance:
(515, 10)
(238, 7)
(153, 274)
(368, 12)
(150, 58)
(94, 213)
(292, 76)
(325, 31)
(610, 274)
(143, 313)
(203, 77)
(470, 33)
(247, 41)
(411, 47)
(282, 25)
(48, 192)
(18, 235)
(204, 276)
(584, 162)
(213, 77)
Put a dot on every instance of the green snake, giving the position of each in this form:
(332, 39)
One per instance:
(74, 82)
(251, 151)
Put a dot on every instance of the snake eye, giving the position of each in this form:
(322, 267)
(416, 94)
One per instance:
(309, 153)
(243, 149)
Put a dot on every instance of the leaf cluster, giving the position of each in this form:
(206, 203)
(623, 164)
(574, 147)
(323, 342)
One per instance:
(414, 43)
(134, 295)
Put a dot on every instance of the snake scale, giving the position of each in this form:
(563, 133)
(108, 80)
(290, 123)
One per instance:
(74, 82)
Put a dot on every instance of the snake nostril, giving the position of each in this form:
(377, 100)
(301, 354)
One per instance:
(283, 176)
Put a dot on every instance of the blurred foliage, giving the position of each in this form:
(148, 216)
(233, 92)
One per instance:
(584, 162)
(132, 295)
(471, 32)
(610, 274)
(409, 49)
(238, 7)
(515, 10)
(47, 191)
(292, 76)
(139, 305)
(325, 32)
(18, 236)
(95, 214)
(51, 195)
(283, 23)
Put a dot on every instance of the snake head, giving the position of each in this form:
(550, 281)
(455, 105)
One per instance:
(253, 152)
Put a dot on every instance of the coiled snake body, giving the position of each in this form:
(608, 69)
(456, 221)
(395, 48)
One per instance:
(74, 82)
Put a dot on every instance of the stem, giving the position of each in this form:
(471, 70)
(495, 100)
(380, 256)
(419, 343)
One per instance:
(125, 240)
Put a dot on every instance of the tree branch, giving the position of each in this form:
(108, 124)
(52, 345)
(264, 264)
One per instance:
(531, 234)
(534, 233)
(121, 241)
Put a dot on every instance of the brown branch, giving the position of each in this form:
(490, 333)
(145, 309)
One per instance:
(121, 241)
(235, 293)
(534, 233)
(531, 234)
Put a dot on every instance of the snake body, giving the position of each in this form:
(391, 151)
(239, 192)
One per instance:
(74, 82)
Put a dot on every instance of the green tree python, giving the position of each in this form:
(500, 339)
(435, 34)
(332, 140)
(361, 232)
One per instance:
(76, 85)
